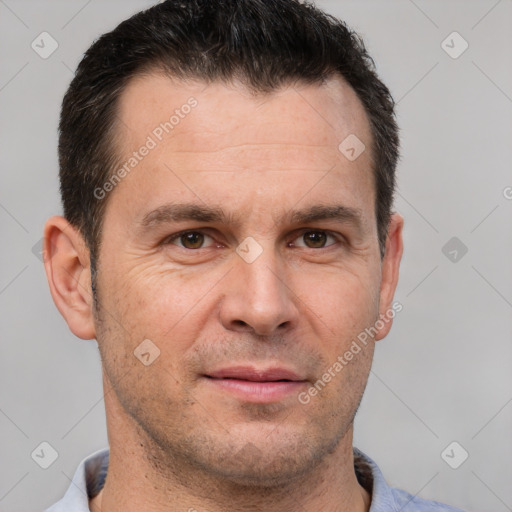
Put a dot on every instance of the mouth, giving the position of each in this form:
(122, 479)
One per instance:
(256, 385)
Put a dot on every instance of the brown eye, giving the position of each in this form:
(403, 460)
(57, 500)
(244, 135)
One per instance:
(315, 239)
(190, 240)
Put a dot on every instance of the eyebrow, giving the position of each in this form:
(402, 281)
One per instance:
(340, 213)
(178, 212)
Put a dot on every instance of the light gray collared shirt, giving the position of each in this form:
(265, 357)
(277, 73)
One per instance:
(90, 477)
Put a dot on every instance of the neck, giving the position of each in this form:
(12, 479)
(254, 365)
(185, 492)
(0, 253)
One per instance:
(142, 477)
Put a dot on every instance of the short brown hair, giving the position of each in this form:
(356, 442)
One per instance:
(263, 43)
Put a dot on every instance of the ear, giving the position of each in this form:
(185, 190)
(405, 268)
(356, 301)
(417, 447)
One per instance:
(67, 265)
(389, 275)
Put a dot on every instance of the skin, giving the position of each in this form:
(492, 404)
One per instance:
(300, 304)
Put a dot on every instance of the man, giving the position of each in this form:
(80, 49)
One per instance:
(227, 176)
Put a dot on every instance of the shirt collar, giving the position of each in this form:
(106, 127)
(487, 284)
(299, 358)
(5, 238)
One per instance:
(87, 482)
(90, 477)
(371, 478)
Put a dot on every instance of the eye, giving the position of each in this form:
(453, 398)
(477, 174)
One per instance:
(315, 239)
(189, 239)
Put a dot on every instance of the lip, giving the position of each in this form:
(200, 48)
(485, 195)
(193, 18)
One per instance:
(251, 384)
(253, 374)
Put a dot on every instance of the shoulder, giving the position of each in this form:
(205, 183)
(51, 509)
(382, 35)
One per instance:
(389, 499)
(408, 503)
(87, 482)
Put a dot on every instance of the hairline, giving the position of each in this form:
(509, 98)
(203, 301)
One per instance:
(159, 68)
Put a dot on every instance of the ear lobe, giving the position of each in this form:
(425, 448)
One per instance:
(389, 276)
(67, 265)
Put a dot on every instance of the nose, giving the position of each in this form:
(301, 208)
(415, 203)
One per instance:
(258, 297)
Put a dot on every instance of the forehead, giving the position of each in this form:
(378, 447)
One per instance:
(220, 137)
(322, 112)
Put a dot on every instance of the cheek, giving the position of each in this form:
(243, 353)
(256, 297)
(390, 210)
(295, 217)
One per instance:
(145, 305)
(340, 303)
(158, 302)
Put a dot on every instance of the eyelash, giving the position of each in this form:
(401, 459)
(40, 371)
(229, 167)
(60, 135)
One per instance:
(338, 238)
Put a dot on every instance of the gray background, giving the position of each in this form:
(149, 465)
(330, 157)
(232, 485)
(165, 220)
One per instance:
(444, 372)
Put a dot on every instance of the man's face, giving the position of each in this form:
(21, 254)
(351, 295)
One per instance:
(257, 286)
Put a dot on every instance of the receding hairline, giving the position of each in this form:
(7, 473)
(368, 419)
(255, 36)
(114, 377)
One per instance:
(234, 83)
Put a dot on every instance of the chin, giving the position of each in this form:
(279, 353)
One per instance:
(263, 457)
